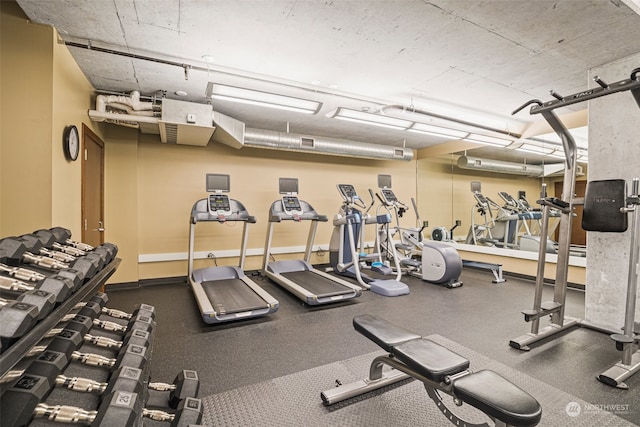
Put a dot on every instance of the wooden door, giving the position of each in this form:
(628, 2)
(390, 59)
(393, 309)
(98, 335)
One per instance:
(578, 235)
(92, 188)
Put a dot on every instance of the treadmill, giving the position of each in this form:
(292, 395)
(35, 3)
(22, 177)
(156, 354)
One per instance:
(224, 293)
(297, 276)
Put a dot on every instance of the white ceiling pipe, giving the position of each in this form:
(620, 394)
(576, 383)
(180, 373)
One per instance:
(129, 102)
(261, 138)
(101, 116)
(478, 164)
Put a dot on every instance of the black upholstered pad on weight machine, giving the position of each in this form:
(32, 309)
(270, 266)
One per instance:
(602, 203)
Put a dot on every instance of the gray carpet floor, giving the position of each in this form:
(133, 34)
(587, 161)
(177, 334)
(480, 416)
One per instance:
(293, 400)
(480, 315)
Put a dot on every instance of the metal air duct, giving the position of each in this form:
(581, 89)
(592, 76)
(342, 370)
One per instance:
(260, 138)
(488, 165)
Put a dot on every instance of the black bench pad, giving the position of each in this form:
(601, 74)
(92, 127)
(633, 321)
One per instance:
(498, 398)
(429, 359)
(382, 332)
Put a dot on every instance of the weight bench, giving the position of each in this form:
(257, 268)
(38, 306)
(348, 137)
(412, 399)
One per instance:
(440, 369)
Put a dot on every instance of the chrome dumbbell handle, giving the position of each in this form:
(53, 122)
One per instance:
(22, 273)
(57, 255)
(82, 246)
(44, 261)
(84, 385)
(92, 359)
(10, 284)
(65, 414)
(69, 250)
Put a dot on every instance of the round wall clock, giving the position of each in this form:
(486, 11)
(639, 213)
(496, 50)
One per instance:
(71, 142)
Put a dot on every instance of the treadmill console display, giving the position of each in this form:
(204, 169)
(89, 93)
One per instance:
(219, 205)
(348, 192)
(291, 205)
(388, 196)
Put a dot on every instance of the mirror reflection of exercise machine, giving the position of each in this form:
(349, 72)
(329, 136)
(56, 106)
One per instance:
(526, 240)
(299, 277)
(346, 249)
(498, 227)
(434, 262)
(224, 293)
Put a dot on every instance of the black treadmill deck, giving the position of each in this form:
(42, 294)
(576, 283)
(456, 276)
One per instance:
(317, 284)
(229, 296)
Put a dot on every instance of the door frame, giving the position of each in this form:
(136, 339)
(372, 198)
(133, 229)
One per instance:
(89, 135)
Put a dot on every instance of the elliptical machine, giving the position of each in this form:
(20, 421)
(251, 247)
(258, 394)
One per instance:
(346, 249)
(433, 262)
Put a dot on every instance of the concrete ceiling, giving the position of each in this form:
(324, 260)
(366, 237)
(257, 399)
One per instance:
(471, 60)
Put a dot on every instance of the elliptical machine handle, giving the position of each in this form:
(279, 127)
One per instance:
(373, 201)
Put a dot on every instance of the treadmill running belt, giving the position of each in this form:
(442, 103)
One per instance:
(317, 284)
(232, 296)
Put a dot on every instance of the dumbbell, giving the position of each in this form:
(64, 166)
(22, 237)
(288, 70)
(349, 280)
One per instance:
(62, 237)
(43, 300)
(21, 404)
(69, 341)
(133, 336)
(21, 273)
(34, 245)
(186, 384)
(13, 251)
(16, 319)
(33, 276)
(51, 365)
(60, 287)
(84, 322)
(102, 299)
(48, 240)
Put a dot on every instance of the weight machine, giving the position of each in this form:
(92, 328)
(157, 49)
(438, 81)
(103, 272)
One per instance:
(627, 342)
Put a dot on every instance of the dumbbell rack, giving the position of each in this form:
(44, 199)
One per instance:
(40, 385)
(11, 356)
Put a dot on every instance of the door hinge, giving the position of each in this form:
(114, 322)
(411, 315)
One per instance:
(85, 154)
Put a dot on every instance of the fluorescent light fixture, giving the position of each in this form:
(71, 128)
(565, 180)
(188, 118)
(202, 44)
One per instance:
(580, 136)
(262, 99)
(437, 131)
(488, 140)
(368, 118)
(535, 149)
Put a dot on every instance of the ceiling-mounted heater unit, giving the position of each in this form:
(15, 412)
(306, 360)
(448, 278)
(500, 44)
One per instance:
(186, 123)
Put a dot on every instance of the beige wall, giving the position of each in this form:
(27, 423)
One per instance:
(171, 179)
(26, 129)
(43, 91)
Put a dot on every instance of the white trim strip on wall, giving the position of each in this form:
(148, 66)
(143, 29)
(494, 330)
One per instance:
(511, 253)
(181, 256)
